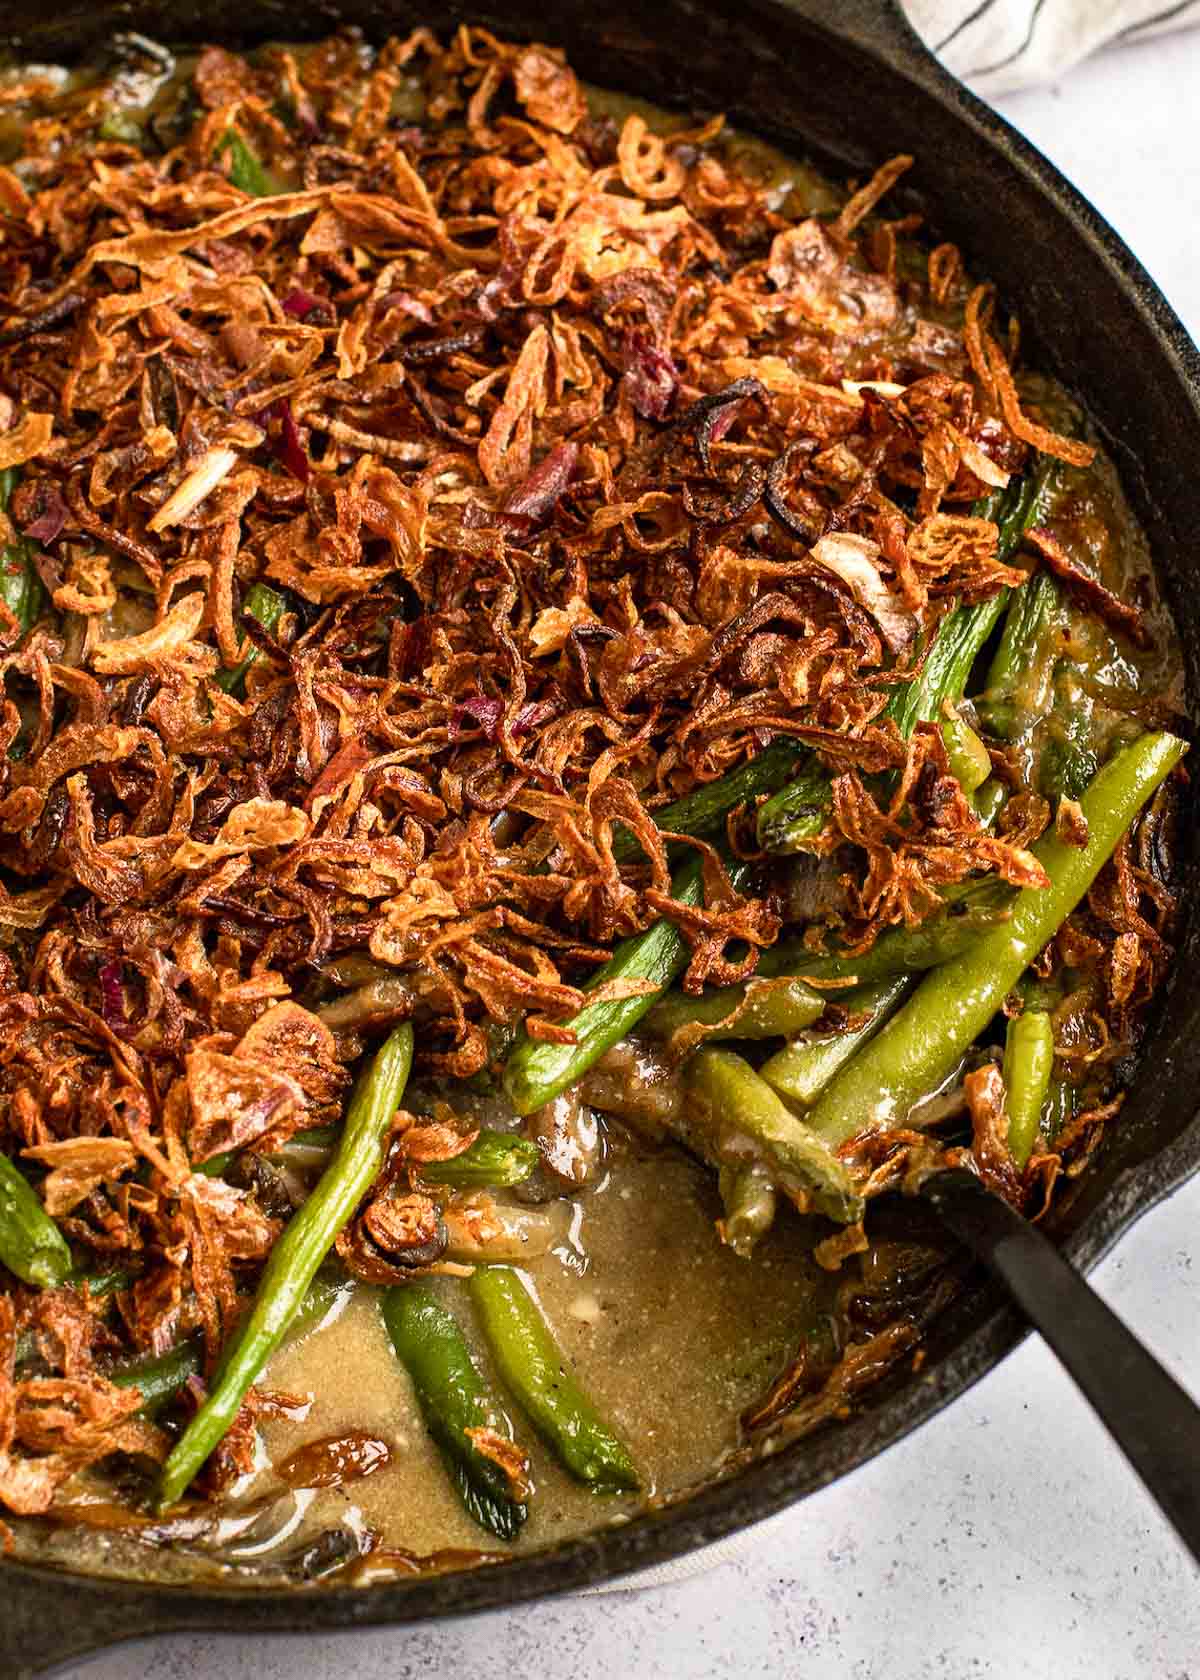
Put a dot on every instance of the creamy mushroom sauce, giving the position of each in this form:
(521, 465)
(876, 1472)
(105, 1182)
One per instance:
(671, 1334)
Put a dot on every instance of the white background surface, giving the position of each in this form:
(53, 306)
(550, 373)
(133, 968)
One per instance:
(1007, 1538)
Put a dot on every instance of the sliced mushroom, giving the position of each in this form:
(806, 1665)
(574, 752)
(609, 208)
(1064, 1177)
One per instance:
(386, 998)
(480, 1228)
(569, 1138)
(639, 1085)
(814, 888)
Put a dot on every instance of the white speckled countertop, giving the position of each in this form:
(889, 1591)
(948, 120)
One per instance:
(1006, 1538)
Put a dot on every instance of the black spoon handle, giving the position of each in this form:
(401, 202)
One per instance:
(1150, 1417)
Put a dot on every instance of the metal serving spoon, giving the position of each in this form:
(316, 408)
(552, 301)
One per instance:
(1152, 1419)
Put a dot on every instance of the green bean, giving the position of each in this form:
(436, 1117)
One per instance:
(921, 1046)
(947, 666)
(323, 1291)
(990, 801)
(308, 1148)
(764, 1009)
(536, 1371)
(1018, 681)
(1028, 1065)
(963, 632)
(970, 910)
(31, 1244)
(494, 1159)
(797, 812)
(315, 1141)
(216, 1165)
(749, 1198)
(703, 811)
(802, 1069)
(160, 1377)
(453, 1401)
(732, 1116)
(246, 171)
(1069, 758)
(317, 1137)
(265, 606)
(297, 1255)
(537, 1071)
(100, 1284)
(969, 761)
(20, 587)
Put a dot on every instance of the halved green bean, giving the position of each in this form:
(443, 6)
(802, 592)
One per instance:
(1069, 758)
(703, 811)
(969, 761)
(537, 1071)
(536, 1372)
(298, 1254)
(749, 1198)
(802, 1069)
(732, 1116)
(765, 1009)
(453, 1400)
(265, 606)
(1019, 679)
(970, 910)
(1028, 1065)
(497, 1159)
(921, 1046)
(31, 1244)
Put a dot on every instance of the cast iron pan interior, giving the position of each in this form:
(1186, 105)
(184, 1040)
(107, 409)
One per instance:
(850, 85)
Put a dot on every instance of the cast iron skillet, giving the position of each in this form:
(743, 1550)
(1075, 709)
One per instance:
(850, 85)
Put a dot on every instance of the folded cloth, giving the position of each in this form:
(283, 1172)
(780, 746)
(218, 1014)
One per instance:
(999, 45)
